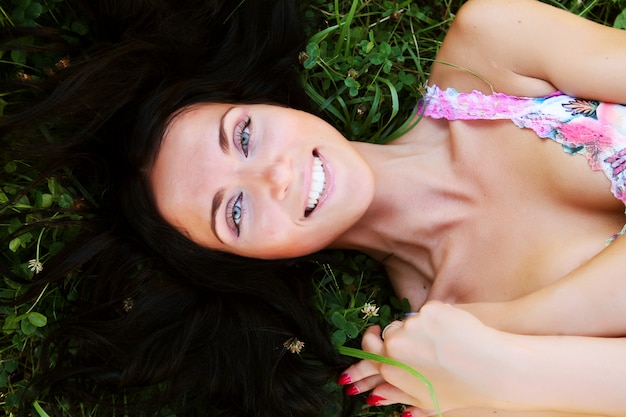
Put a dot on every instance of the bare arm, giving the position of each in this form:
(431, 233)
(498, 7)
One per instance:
(512, 42)
(471, 365)
(590, 301)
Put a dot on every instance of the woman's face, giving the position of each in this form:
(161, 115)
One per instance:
(258, 180)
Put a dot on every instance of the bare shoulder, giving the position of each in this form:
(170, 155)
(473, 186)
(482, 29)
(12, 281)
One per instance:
(525, 47)
(477, 52)
(481, 13)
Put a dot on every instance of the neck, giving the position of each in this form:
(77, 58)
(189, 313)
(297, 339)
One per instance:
(419, 198)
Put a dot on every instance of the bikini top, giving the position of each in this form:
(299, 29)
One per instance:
(591, 128)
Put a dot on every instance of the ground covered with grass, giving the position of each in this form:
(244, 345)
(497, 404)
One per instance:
(364, 67)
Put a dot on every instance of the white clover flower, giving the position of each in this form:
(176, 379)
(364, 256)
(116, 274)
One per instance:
(35, 266)
(128, 304)
(294, 345)
(369, 310)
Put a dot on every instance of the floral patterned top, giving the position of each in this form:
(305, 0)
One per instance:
(591, 128)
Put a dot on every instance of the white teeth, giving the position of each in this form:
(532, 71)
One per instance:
(318, 181)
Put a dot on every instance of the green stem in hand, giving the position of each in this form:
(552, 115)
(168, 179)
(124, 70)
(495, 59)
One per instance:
(360, 354)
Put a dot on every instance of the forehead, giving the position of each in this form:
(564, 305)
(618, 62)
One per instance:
(189, 132)
(189, 144)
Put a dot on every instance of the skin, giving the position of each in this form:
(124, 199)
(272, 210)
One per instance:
(438, 205)
(271, 171)
(473, 366)
(534, 57)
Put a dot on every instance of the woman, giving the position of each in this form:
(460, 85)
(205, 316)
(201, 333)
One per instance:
(206, 175)
(441, 203)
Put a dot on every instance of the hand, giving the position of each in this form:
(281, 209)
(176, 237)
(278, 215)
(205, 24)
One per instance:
(463, 359)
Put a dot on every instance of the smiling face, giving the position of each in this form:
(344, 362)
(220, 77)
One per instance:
(259, 181)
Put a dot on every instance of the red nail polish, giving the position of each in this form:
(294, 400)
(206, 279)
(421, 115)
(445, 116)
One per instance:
(352, 390)
(344, 379)
(407, 413)
(374, 399)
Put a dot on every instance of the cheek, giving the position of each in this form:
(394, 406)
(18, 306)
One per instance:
(268, 231)
(278, 231)
(281, 239)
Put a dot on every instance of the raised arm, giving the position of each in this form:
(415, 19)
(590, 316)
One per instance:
(508, 42)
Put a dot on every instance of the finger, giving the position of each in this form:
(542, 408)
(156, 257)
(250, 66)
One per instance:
(372, 340)
(364, 385)
(387, 394)
(364, 376)
(415, 388)
(362, 369)
(358, 372)
(391, 328)
(418, 412)
(387, 328)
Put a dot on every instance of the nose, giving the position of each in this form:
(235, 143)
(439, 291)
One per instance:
(277, 176)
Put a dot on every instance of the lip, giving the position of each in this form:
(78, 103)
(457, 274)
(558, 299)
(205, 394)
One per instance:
(307, 183)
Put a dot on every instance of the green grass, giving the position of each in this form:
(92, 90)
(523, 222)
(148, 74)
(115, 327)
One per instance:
(364, 67)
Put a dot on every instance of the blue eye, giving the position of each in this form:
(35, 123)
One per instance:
(244, 137)
(235, 212)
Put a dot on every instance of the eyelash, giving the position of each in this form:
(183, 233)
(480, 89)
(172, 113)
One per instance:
(235, 210)
(242, 135)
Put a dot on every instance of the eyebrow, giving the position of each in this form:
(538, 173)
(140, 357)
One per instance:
(217, 201)
(219, 195)
(222, 133)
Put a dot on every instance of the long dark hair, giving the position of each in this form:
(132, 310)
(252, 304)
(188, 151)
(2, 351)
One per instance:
(160, 320)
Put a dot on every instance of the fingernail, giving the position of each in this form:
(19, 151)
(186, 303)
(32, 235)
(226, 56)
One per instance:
(406, 316)
(344, 379)
(407, 413)
(352, 390)
(374, 399)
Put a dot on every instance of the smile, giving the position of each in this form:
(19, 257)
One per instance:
(318, 183)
